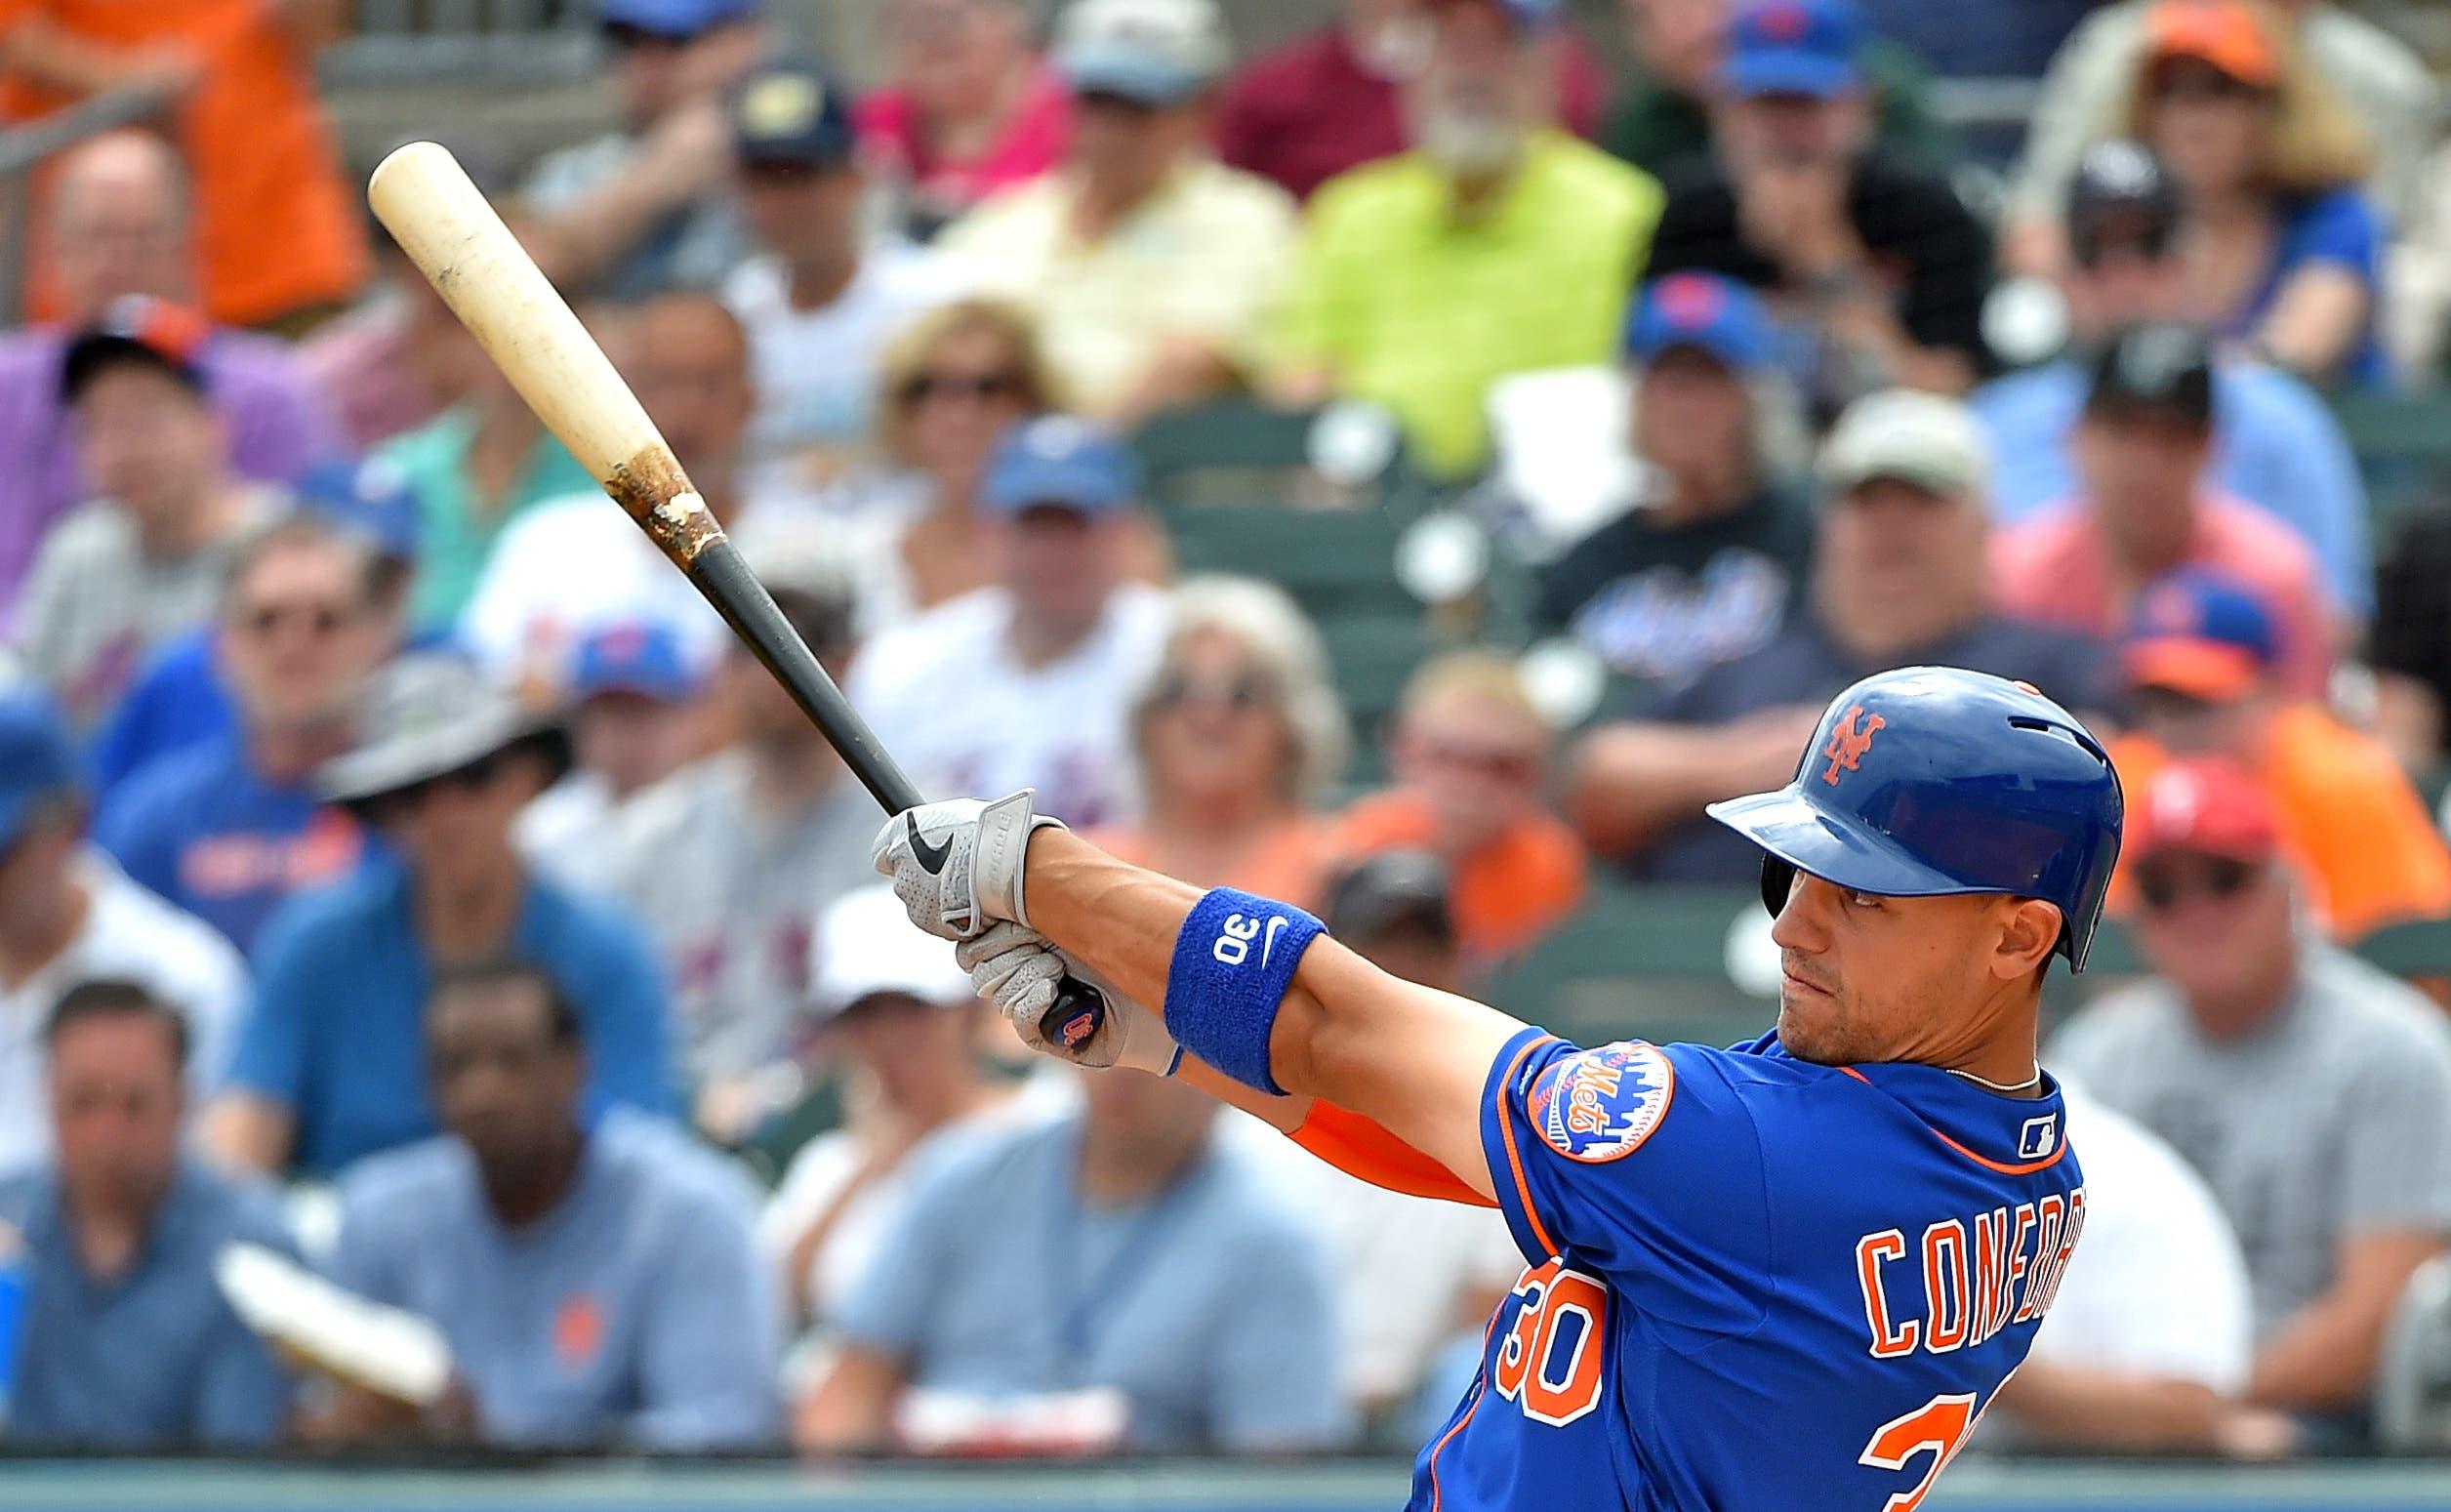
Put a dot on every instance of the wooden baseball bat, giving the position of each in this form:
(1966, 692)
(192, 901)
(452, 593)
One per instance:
(426, 201)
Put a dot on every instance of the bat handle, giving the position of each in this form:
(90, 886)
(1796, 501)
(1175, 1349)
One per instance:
(1074, 1017)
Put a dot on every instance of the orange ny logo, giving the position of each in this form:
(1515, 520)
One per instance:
(1848, 743)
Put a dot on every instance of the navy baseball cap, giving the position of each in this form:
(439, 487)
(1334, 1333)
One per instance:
(2199, 632)
(2166, 368)
(674, 21)
(639, 657)
(1794, 47)
(1061, 461)
(140, 329)
(792, 115)
(370, 498)
(36, 764)
(1704, 312)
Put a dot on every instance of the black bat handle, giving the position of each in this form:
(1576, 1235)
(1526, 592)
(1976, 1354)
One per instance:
(1079, 1011)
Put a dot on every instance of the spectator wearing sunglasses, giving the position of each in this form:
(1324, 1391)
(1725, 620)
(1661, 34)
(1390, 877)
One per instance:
(1470, 756)
(230, 827)
(330, 1059)
(1239, 734)
(2203, 667)
(2275, 444)
(2310, 1091)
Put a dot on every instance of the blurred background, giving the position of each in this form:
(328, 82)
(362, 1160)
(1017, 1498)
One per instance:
(1405, 457)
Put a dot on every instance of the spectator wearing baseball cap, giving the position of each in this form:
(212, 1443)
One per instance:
(2202, 659)
(2275, 443)
(2340, 1196)
(142, 560)
(1333, 97)
(1151, 269)
(632, 707)
(329, 1064)
(968, 109)
(1490, 208)
(1898, 579)
(819, 297)
(1876, 256)
(1029, 682)
(643, 208)
(67, 914)
(2146, 507)
(1707, 566)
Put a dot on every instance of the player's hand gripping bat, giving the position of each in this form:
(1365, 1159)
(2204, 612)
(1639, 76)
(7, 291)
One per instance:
(426, 201)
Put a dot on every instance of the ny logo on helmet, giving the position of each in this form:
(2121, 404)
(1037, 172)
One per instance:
(1848, 743)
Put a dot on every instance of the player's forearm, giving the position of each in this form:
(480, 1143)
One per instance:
(1117, 918)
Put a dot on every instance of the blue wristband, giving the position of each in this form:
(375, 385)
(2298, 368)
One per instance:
(1233, 963)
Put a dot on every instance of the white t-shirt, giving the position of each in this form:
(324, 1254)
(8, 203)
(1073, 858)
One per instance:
(568, 831)
(132, 934)
(816, 369)
(946, 696)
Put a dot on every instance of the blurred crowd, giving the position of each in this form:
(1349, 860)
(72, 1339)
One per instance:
(402, 871)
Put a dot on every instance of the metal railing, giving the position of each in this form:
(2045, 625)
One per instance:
(406, 41)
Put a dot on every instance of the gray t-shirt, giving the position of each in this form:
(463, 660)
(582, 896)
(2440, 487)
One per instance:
(693, 248)
(729, 891)
(2334, 1120)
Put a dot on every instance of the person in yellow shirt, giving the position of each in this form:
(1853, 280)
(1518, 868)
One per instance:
(2201, 658)
(1495, 244)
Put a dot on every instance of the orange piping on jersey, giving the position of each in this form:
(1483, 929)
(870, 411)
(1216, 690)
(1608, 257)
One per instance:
(1436, 1495)
(2003, 1168)
(1365, 1149)
(1514, 1156)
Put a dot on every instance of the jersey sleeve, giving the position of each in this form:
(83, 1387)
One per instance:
(1641, 1162)
(1365, 1151)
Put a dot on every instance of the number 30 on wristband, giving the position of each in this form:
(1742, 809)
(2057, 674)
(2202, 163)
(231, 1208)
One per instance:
(1233, 941)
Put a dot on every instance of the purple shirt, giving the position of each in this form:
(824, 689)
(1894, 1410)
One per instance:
(279, 429)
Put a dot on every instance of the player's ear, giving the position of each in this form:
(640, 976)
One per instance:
(2029, 928)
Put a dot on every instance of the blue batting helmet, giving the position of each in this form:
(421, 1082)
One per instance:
(1933, 780)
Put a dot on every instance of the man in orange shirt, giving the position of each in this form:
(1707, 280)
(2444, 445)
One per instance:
(2202, 662)
(1471, 757)
(279, 233)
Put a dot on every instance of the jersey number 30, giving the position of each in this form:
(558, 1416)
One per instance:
(1938, 1428)
(1550, 1365)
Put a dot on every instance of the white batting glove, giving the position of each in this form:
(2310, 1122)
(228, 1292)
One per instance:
(1017, 968)
(957, 864)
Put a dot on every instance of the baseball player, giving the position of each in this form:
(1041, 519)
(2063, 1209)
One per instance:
(1790, 1274)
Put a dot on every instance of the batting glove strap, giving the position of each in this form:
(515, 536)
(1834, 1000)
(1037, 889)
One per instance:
(1234, 962)
(1004, 846)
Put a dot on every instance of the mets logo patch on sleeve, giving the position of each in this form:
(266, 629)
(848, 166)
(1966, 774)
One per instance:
(1600, 1105)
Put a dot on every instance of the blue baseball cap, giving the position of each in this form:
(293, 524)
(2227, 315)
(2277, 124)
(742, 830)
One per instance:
(1704, 312)
(634, 656)
(2199, 632)
(1793, 47)
(675, 21)
(1061, 461)
(792, 115)
(36, 762)
(370, 498)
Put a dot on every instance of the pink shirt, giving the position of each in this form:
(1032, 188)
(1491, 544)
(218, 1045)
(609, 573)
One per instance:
(894, 132)
(2057, 568)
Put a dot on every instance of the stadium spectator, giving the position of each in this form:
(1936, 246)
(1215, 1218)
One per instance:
(724, 861)
(819, 298)
(2201, 660)
(142, 559)
(1469, 754)
(596, 1278)
(643, 208)
(634, 718)
(118, 225)
(181, 699)
(1661, 118)
(125, 1341)
(2341, 1198)
(897, 1014)
(278, 237)
(387, 365)
(1152, 270)
(2274, 442)
(967, 109)
(1238, 735)
(1176, 1278)
(326, 1066)
(1488, 209)
(2146, 507)
(1026, 684)
(69, 915)
(1898, 579)
(230, 827)
(1707, 566)
(2086, 96)
(2410, 642)
(1335, 97)
(1873, 260)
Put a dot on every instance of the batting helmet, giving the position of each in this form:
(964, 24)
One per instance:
(1933, 780)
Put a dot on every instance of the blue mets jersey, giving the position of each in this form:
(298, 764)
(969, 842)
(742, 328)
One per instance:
(1755, 1283)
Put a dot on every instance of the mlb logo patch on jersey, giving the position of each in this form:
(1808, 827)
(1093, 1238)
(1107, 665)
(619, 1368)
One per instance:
(2038, 1137)
(1600, 1105)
